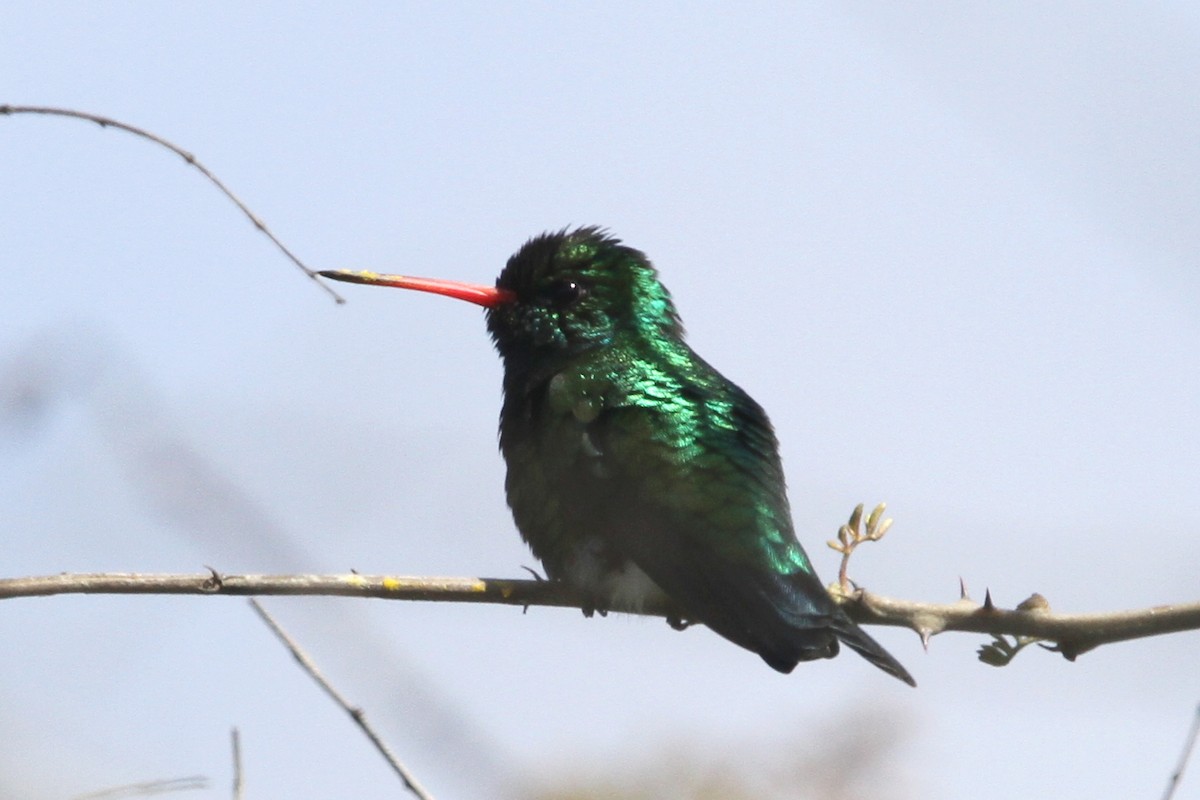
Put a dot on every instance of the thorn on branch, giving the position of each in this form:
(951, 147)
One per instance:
(214, 583)
(537, 576)
(988, 605)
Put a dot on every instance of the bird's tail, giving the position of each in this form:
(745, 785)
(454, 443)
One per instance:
(857, 639)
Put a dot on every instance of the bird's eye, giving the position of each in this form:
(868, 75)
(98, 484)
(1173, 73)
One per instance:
(565, 293)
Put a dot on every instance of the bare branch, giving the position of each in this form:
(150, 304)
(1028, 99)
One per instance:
(1188, 746)
(1072, 634)
(108, 122)
(356, 713)
(239, 787)
(148, 788)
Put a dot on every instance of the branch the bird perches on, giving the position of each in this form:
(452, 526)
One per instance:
(1070, 634)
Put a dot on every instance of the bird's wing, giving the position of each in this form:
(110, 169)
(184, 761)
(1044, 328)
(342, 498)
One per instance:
(684, 479)
(702, 508)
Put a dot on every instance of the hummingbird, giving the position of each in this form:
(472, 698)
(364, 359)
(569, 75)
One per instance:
(637, 473)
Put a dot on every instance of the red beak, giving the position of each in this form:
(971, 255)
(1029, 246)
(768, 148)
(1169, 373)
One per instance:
(486, 296)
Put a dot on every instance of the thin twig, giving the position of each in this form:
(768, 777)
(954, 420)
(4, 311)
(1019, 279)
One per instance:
(852, 535)
(1074, 633)
(147, 788)
(1188, 747)
(238, 787)
(108, 122)
(355, 712)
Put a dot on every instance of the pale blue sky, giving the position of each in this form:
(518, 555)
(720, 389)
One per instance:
(952, 250)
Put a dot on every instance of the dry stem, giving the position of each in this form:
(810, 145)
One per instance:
(1073, 634)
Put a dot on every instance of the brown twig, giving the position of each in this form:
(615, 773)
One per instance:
(108, 122)
(355, 712)
(1188, 746)
(1073, 633)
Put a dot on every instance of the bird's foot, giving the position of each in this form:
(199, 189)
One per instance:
(590, 608)
(678, 623)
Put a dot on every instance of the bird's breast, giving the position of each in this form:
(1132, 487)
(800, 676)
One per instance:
(612, 582)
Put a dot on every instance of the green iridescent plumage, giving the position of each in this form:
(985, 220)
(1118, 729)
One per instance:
(634, 466)
(636, 471)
